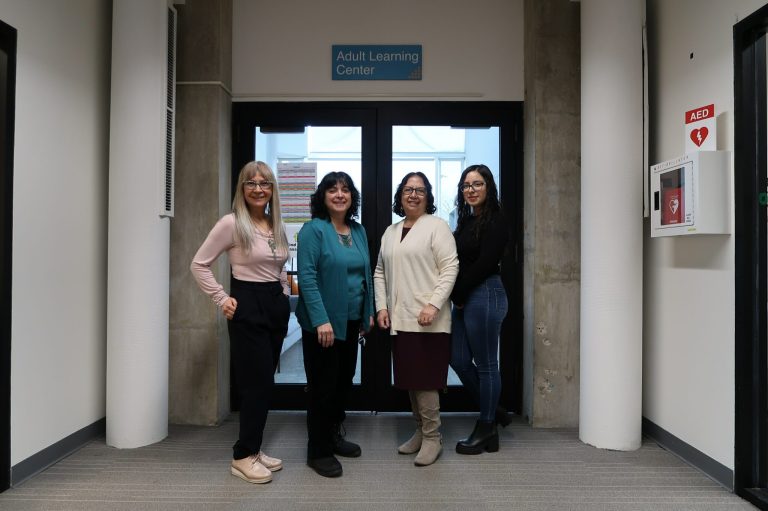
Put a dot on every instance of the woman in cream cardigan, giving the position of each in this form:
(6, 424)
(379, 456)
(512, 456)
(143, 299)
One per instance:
(414, 276)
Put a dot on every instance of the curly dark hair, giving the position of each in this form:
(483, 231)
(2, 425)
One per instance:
(492, 203)
(331, 179)
(397, 204)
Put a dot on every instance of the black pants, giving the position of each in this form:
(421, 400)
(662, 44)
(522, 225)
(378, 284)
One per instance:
(256, 334)
(329, 379)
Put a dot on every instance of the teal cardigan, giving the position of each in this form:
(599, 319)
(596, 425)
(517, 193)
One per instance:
(323, 293)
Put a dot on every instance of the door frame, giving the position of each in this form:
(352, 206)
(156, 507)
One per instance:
(751, 334)
(8, 37)
(293, 117)
(377, 119)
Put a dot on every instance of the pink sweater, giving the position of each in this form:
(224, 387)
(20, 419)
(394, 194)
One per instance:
(260, 265)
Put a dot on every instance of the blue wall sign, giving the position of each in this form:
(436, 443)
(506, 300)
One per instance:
(376, 62)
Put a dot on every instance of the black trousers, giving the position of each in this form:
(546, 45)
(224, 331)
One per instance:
(256, 334)
(329, 380)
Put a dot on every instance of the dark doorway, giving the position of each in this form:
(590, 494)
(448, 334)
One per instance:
(7, 104)
(750, 187)
(382, 148)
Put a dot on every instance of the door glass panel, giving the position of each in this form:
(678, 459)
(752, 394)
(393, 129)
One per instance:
(442, 153)
(329, 149)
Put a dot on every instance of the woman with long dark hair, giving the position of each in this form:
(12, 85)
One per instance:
(480, 303)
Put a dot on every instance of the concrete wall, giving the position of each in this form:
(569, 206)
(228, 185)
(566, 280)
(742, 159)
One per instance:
(472, 50)
(199, 346)
(552, 205)
(60, 219)
(688, 325)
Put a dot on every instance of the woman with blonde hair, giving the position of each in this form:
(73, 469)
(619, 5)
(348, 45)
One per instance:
(257, 307)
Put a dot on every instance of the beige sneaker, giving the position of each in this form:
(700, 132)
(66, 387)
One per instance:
(273, 464)
(251, 470)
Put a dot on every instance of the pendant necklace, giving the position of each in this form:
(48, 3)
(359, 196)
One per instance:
(269, 235)
(345, 239)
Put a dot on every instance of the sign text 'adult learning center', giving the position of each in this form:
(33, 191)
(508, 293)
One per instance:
(376, 62)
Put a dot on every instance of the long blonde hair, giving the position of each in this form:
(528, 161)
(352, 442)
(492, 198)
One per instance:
(244, 225)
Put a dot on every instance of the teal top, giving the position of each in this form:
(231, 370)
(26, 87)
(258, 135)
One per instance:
(355, 280)
(325, 281)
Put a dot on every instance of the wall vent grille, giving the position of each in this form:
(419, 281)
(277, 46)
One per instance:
(170, 119)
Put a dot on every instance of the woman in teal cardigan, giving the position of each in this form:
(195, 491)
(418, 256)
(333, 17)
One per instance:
(335, 307)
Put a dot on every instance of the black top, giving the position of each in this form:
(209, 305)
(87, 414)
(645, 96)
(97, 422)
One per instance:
(478, 257)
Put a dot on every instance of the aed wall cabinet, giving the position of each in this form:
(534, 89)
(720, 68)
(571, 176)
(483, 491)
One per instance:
(691, 195)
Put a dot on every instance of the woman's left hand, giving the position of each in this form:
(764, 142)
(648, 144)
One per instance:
(428, 314)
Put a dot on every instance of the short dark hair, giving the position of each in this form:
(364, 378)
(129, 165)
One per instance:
(397, 204)
(317, 201)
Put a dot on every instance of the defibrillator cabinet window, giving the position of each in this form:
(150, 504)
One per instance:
(672, 191)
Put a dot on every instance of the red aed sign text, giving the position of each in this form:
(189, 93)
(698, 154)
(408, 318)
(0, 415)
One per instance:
(701, 113)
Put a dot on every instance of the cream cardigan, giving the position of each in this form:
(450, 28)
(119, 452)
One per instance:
(419, 270)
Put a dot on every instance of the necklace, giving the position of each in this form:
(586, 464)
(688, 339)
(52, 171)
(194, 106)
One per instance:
(345, 239)
(267, 234)
(262, 227)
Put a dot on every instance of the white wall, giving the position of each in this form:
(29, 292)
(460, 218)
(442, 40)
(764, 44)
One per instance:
(471, 50)
(688, 327)
(59, 226)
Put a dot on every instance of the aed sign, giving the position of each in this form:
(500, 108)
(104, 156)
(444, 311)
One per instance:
(700, 129)
(376, 62)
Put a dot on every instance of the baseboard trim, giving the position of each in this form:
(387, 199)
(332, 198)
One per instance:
(712, 468)
(58, 451)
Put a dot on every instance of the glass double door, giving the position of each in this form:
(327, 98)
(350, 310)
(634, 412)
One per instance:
(377, 144)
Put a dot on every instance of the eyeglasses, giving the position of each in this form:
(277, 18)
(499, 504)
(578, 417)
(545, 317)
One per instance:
(409, 190)
(477, 185)
(264, 185)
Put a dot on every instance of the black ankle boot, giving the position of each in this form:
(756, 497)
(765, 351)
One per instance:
(327, 466)
(483, 437)
(503, 418)
(342, 447)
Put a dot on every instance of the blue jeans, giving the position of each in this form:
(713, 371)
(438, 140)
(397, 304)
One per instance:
(475, 344)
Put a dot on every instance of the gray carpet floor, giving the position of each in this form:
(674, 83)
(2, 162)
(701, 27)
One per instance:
(536, 469)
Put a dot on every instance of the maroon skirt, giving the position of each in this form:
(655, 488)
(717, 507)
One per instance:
(420, 360)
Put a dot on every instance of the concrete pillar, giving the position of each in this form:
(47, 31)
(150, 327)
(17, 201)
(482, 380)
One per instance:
(611, 223)
(138, 245)
(552, 202)
(199, 346)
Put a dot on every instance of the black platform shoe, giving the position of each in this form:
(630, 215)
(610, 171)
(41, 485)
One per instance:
(342, 447)
(483, 438)
(327, 466)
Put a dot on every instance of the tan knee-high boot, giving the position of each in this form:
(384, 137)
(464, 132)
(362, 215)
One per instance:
(413, 444)
(428, 402)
